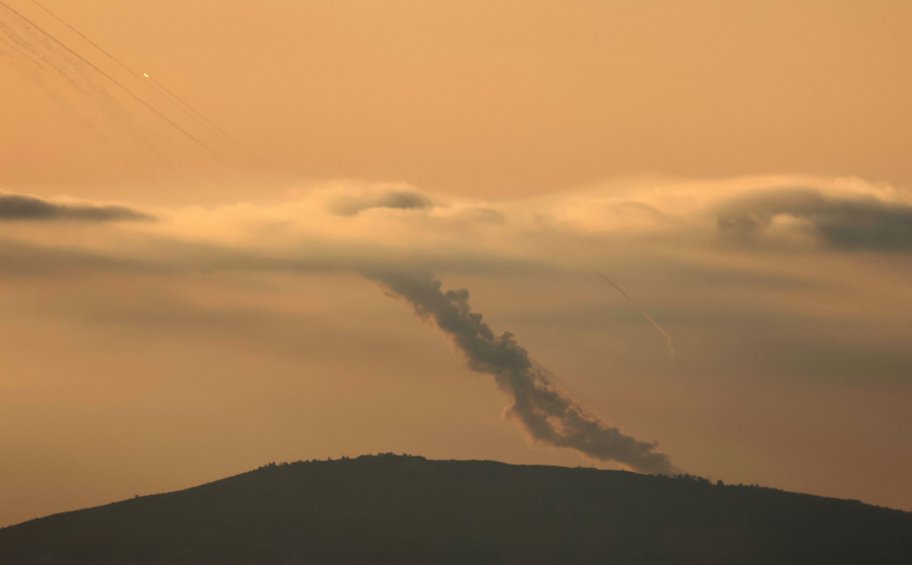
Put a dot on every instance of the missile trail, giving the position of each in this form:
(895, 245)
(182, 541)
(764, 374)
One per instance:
(25, 49)
(86, 38)
(117, 83)
(669, 342)
(186, 106)
(201, 117)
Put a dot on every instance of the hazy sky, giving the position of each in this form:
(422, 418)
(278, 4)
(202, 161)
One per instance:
(175, 310)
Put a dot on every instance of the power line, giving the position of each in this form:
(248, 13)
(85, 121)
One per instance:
(116, 82)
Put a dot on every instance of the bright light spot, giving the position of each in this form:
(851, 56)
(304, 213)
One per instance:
(146, 75)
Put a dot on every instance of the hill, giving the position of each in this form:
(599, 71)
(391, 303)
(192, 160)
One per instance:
(405, 509)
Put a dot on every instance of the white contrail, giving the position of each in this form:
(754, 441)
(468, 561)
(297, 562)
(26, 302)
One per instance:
(669, 341)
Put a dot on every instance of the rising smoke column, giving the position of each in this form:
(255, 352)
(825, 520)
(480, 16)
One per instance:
(549, 416)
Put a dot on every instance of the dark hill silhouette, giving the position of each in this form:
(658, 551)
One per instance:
(404, 509)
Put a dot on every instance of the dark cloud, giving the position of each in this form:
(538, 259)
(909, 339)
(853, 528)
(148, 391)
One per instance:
(546, 413)
(28, 208)
(18, 259)
(393, 199)
(841, 222)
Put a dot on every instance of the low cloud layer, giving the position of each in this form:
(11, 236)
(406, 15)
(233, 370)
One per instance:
(16, 207)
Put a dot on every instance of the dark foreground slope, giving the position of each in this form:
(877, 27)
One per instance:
(389, 509)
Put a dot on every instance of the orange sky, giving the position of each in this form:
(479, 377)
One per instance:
(492, 98)
(740, 168)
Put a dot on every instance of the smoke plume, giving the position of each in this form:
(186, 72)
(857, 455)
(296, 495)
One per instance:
(547, 414)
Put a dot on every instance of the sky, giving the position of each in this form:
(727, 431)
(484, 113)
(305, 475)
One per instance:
(693, 220)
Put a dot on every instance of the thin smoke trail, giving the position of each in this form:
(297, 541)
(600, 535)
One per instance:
(84, 37)
(37, 61)
(30, 48)
(117, 83)
(58, 67)
(548, 415)
(202, 118)
(24, 48)
(162, 88)
(39, 51)
(669, 341)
